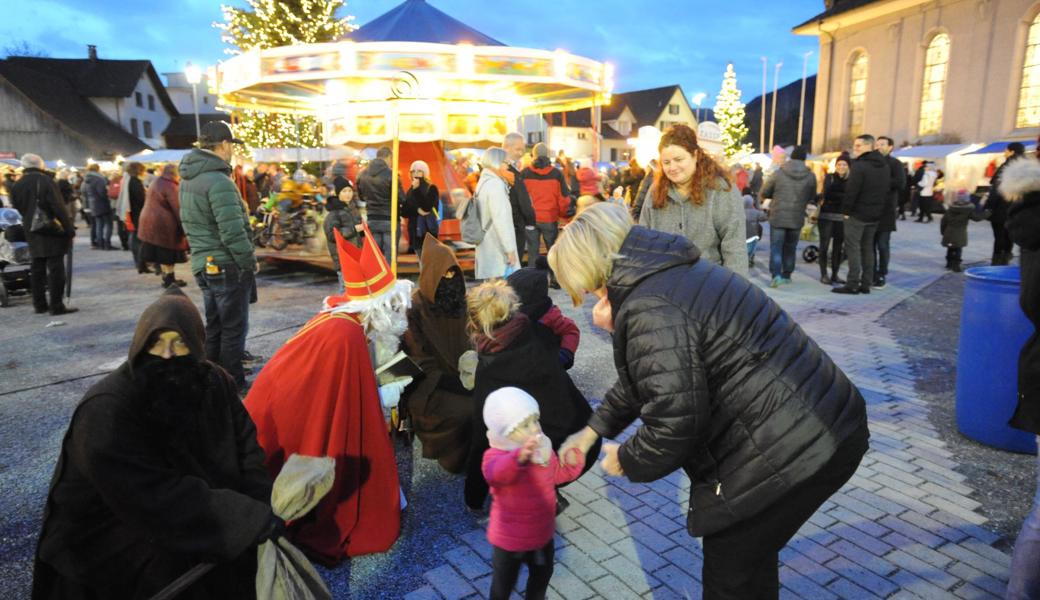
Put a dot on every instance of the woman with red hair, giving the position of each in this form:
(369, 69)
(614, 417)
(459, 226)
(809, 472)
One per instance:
(693, 196)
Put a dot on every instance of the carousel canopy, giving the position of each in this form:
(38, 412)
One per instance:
(458, 92)
(417, 21)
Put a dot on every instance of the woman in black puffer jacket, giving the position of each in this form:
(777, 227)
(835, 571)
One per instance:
(728, 388)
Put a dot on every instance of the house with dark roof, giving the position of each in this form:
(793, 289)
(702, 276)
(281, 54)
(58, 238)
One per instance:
(605, 131)
(75, 109)
(180, 133)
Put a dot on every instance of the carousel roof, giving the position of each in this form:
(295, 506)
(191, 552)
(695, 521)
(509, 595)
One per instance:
(417, 21)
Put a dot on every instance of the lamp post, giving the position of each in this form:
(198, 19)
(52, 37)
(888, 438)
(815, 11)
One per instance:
(762, 110)
(801, 103)
(697, 99)
(772, 118)
(194, 75)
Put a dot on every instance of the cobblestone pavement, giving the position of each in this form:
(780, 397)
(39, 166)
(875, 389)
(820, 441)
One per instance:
(905, 526)
(908, 525)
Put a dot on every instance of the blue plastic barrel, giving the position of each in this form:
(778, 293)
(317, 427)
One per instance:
(993, 331)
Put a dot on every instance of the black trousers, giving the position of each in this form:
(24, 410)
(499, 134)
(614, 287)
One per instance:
(47, 274)
(832, 233)
(742, 562)
(505, 567)
(1002, 245)
(953, 256)
(882, 252)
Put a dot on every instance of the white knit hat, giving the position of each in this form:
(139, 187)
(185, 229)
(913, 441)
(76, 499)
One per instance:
(420, 165)
(504, 409)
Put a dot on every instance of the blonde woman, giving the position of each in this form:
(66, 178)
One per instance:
(496, 254)
(728, 388)
(693, 196)
(516, 352)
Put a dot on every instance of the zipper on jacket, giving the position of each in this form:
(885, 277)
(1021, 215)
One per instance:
(718, 488)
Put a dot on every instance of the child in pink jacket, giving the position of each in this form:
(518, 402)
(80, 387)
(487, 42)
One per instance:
(531, 285)
(522, 472)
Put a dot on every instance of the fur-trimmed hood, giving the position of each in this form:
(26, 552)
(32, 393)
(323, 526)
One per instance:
(1020, 178)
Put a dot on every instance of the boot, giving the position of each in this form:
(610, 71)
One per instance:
(170, 279)
(955, 266)
(837, 280)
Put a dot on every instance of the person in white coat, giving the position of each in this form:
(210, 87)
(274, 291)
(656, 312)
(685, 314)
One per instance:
(496, 254)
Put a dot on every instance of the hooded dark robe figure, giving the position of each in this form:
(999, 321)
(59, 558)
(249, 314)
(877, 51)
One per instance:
(440, 407)
(159, 471)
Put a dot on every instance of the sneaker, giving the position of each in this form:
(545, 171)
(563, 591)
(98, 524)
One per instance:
(844, 290)
(63, 310)
(249, 357)
(879, 282)
(775, 283)
(785, 280)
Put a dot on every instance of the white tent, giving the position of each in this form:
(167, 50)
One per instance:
(158, 156)
(302, 154)
(930, 152)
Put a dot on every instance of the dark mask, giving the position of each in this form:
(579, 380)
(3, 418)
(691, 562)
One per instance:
(450, 299)
(173, 389)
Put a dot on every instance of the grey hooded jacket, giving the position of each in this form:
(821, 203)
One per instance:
(791, 188)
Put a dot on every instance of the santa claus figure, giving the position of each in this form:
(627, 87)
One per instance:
(319, 396)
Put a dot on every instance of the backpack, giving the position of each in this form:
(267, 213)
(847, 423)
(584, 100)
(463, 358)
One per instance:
(471, 226)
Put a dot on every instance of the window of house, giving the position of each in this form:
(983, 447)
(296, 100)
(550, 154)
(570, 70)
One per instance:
(582, 135)
(138, 99)
(937, 59)
(133, 126)
(858, 93)
(151, 102)
(1029, 92)
(673, 109)
(205, 99)
(148, 129)
(624, 127)
(534, 137)
(613, 155)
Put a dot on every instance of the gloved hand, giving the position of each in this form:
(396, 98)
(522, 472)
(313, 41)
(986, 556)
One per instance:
(566, 359)
(390, 393)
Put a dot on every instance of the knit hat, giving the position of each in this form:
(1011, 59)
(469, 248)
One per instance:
(798, 153)
(504, 409)
(531, 285)
(845, 158)
(420, 165)
(588, 181)
(339, 168)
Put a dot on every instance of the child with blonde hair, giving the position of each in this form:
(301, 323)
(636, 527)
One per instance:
(515, 351)
(523, 472)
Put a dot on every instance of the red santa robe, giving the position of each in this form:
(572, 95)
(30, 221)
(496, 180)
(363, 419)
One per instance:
(317, 396)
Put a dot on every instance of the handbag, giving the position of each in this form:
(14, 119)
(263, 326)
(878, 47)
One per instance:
(42, 224)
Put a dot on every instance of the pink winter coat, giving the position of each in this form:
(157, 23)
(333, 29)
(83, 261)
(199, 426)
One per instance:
(523, 510)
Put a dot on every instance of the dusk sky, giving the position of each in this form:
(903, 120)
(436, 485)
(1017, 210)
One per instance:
(651, 44)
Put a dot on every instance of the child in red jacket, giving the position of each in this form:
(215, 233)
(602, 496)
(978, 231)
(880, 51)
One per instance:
(531, 285)
(522, 472)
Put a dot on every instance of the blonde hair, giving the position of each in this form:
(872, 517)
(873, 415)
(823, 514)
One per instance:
(583, 256)
(491, 304)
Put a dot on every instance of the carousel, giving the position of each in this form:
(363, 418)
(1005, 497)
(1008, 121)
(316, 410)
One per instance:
(417, 79)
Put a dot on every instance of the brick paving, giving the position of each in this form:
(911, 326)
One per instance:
(905, 526)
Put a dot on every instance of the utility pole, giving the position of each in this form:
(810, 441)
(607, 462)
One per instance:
(801, 104)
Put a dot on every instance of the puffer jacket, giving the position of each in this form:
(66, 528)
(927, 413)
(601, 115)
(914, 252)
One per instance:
(868, 188)
(791, 188)
(374, 189)
(727, 385)
(954, 223)
(896, 183)
(212, 213)
(95, 191)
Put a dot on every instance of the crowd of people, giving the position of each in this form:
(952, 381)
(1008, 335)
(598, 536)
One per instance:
(174, 469)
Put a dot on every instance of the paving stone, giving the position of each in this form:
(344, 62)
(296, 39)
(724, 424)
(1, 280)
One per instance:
(477, 540)
(847, 590)
(912, 531)
(862, 576)
(676, 579)
(804, 587)
(467, 562)
(920, 568)
(640, 554)
(569, 585)
(601, 528)
(807, 566)
(978, 578)
(863, 540)
(612, 587)
(424, 593)
(970, 592)
(971, 529)
(685, 560)
(633, 574)
(579, 562)
(814, 550)
(449, 583)
(998, 570)
(590, 544)
(917, 587)
(954, 509)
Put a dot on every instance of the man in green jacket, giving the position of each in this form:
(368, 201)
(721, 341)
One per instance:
(222, 260)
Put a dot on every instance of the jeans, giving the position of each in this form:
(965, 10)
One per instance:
(832, 236)
(542, 231)
(505, 568)
(783, 245)
(883, 251)
(381, 235)
(101, 231)
(47, 274)
(741, 562)
(859, 247)
(1025, 562)
(424, 223)
(226, 298)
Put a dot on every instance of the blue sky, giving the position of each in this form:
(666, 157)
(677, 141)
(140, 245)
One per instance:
(687, 42)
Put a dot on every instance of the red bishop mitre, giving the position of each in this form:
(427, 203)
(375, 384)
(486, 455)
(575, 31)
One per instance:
(366, 274)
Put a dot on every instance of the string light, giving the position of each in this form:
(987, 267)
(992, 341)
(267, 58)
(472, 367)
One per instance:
(270, 24)
(729, 113)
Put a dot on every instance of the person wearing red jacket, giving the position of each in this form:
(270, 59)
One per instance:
(522, 471)
(549, 196)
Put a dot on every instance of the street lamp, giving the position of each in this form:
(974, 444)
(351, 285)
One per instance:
(697, 99)
(194, 75)
(801, 103)
(772, 118)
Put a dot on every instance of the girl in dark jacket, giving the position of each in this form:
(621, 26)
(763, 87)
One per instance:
(831, 222)
(727, 386)
(516, 352)
(136, 194)
(421, 203)
(1021, 186)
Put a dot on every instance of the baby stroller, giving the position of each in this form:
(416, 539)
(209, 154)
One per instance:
(810, 233)
(14, 256)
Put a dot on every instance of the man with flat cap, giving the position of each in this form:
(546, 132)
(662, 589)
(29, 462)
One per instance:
(222, 260)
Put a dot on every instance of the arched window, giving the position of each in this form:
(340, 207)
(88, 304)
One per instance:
(1029, 93)
(937, 59)
(857, 92)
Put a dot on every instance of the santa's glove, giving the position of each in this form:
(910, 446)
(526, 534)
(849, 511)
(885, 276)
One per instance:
(390, 393)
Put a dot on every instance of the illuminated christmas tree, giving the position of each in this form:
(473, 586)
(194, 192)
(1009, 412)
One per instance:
(729, 113)
(274, 23)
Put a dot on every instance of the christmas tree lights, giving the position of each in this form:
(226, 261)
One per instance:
(729, 113)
